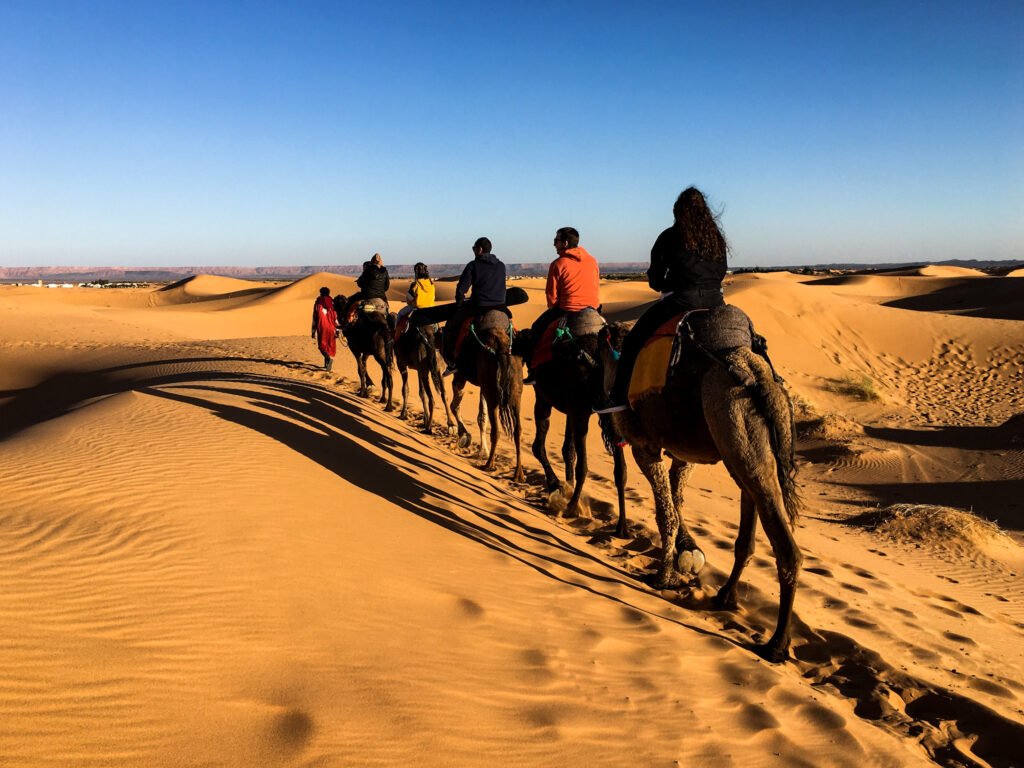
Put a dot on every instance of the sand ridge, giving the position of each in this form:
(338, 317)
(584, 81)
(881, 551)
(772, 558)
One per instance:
(217, 554)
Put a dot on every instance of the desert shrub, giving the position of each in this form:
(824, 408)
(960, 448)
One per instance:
(859, 389)
(931, 525)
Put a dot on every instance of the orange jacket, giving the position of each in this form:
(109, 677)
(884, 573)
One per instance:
(573, 281)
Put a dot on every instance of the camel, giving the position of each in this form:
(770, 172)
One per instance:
(486, 360)
(416, 349)
(571, 382)
(370, 334)
(728, 407)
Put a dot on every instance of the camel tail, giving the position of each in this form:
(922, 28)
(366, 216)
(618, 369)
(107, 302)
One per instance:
(777, 408)
(499, 343)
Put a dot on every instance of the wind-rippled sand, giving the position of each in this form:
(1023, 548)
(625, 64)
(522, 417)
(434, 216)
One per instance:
(213, 553)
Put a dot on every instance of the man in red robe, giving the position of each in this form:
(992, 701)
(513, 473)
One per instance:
(325, 324)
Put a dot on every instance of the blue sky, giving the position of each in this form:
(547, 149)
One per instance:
(190, 133)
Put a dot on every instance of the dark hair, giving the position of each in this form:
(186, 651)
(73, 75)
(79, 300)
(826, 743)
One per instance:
(483, 244)
(569, 235)
(421, 271)
(325, 291)
(699, 226)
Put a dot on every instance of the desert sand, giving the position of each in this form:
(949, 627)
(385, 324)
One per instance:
(214, 554)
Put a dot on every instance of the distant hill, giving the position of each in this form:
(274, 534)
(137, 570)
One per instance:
(292, 273)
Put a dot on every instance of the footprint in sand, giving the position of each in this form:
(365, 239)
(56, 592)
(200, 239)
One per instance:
(954, 637)
(819, 571)
(853, 588)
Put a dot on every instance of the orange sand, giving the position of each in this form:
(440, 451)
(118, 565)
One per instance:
(215, 554)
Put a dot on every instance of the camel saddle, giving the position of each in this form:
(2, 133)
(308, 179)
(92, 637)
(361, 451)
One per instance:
(488, 319)
(696, 332)
(562, 332)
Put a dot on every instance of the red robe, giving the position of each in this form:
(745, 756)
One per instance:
(325, 322)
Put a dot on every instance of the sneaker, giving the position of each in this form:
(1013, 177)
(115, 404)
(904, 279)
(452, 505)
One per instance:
(530, 380)
(609, 406)
(449, 370)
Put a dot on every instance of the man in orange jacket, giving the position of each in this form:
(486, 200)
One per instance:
(573, 284)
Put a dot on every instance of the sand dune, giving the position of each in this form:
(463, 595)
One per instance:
(216, 554)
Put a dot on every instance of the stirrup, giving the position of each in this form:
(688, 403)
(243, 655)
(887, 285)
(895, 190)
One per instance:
(609, 406)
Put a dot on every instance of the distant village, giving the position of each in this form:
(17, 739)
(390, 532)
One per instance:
(91, 284)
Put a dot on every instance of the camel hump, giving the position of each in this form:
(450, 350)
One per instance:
(722, 327)
(585, 322)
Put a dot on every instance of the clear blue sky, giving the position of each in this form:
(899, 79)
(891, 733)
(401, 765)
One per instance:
(206, 133)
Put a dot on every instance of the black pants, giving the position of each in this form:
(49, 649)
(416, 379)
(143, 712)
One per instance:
(659, 313)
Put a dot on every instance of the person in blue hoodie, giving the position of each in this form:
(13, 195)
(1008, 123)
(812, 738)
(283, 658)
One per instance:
(484, 280)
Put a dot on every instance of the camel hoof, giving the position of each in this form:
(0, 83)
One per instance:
(772, 652)
(464, 441)
(388, 408)
(690, 562)
(519, 476)
(452, 430)
(725, 601)
(488, 467)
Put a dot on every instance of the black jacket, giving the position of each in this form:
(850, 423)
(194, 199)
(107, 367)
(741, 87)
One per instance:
(486, 276)
(673, 268)
(374, 282)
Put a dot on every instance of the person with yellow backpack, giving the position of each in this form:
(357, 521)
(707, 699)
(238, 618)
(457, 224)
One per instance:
(421, 294)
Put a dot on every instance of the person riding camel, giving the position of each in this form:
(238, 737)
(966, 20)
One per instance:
(573, 284)
(484, 279)
(325, 326)
(420, 295)
(688, 264)
(373, 284)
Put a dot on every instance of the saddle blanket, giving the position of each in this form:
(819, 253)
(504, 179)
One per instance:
(494, 318)
(724, 327)
(570, 325)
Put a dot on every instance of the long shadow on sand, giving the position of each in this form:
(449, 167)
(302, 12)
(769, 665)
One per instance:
(982, 438)
(63, 391)
(994, 298)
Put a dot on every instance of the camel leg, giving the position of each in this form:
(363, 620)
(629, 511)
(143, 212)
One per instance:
(725, 600)
(690, 559)
(653, 467)
(580, 425)
(492, 421)
(620, 489)
(542, 419)
(364, 390)
(404, 413)
(569, 449)
(435, 374)
(426, 397)
(386, 381)
(518, 475)
(458, 392)
(788, 560)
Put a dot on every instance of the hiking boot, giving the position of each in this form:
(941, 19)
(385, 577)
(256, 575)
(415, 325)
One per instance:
(609, 406)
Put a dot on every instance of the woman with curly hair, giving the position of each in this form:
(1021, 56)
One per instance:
(688, 263)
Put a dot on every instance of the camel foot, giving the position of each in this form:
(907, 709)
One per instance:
(488, 467)
(772, 652)
(452, 430)
(403, 415)
(388, 408)
(426, 429)
(519, 476)
(725, 600)
(690, 562)
(464, 441)
(552, 483)
(663, 580)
